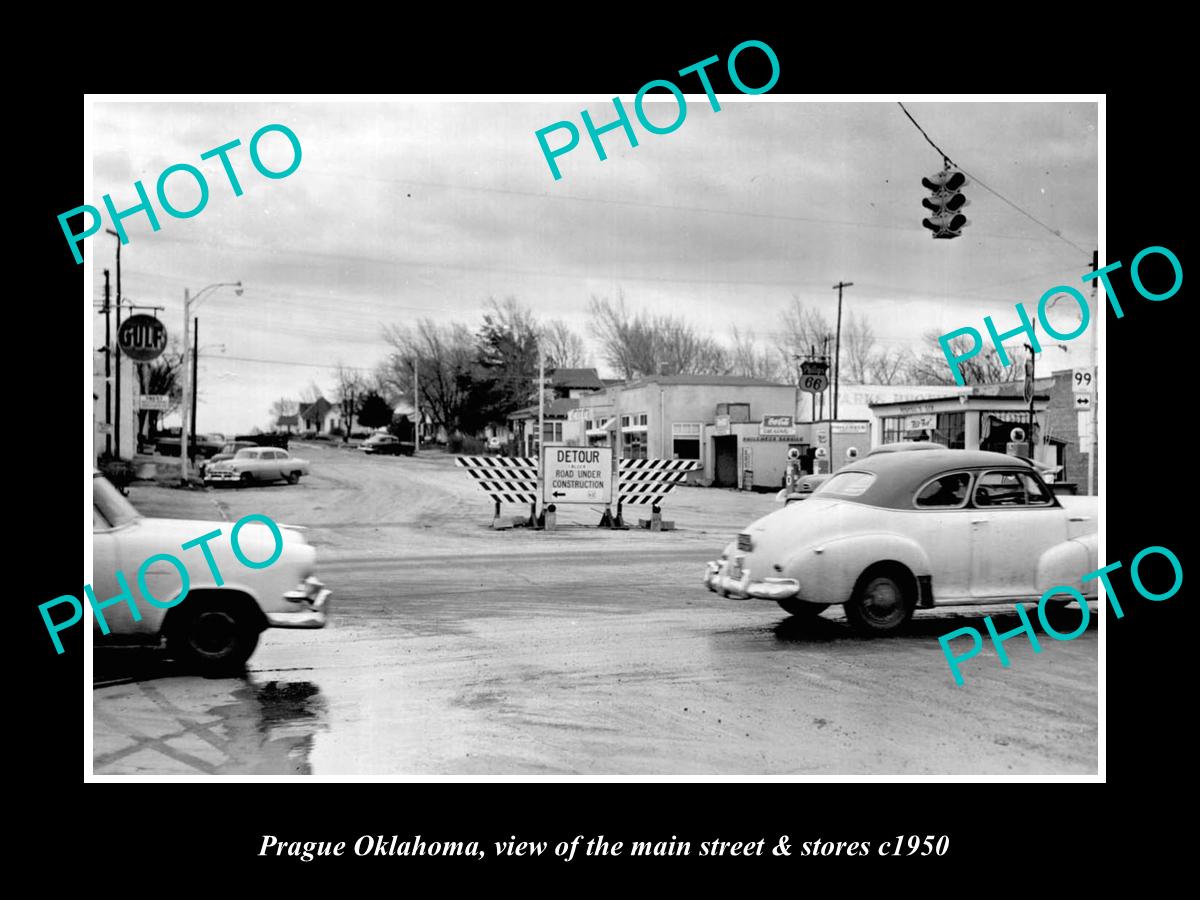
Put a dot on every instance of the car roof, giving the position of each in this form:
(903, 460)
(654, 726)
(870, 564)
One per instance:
(898, 475)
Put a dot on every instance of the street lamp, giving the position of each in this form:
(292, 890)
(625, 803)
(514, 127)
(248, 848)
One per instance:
(188, 389)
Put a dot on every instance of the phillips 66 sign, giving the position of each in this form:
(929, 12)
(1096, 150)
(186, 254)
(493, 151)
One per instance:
(813, 377)
(142, 338)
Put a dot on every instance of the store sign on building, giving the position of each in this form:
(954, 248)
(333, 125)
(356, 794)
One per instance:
(927, 422)
(722, 425)
(777, 426)
(160, 402)
(851, 427)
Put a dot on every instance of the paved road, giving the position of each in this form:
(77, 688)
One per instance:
(497, 653)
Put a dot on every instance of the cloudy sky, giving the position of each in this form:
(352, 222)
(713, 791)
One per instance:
(403, 210)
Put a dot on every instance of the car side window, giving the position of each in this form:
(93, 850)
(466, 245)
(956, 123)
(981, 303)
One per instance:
(1004, 489)
(1038, 494)
(945, 492)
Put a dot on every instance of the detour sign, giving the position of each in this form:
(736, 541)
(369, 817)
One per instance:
(577, 474)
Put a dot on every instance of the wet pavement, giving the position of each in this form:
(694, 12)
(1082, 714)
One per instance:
(504, 653)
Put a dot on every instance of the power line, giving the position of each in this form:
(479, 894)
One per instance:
(1054, 231)
(646, 205)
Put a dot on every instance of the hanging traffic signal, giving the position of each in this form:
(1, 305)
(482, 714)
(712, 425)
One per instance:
(944, 203)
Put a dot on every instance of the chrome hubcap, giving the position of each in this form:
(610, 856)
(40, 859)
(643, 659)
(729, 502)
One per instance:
(882, 602)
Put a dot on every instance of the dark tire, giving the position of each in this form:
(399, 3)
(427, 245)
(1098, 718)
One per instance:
(802, 610)
(214, 636)
(292, 477)
(1064, 616)
(883, 601)
(246, 479)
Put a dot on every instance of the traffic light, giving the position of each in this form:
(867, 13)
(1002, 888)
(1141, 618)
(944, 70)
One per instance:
(944, 203)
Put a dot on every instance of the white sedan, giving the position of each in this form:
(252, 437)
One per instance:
(899, 531)
(257, 464)
(217, 624)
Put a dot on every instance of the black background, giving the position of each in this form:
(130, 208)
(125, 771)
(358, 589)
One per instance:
(999, 832)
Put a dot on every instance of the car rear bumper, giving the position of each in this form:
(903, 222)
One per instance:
(717, 578)
(311, 601)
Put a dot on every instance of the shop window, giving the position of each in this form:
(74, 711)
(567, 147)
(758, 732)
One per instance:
(685, 448)
(634, 446)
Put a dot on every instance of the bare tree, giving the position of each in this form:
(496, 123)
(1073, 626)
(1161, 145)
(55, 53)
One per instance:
(748, 359)
(889, 366)
(160, 377)
(564, 349)
(804, 331)
(445, 356)
(931, 366)
(858, 350)
(282, 407)
(641, 345)
(350, 388)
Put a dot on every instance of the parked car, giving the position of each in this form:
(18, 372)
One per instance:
(279, 440)
(897, 531)
(386, 445)
(228, 451)
(252, 465)
(802, 489)
(203, 445)
(217, 625)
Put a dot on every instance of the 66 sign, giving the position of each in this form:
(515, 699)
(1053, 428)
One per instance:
(142, 338)
(813, 377)
(814, 384)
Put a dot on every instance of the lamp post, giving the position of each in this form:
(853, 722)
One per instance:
(184, 437)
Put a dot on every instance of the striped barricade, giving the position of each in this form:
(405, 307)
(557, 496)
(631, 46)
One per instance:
(642, 481)
(506, 479)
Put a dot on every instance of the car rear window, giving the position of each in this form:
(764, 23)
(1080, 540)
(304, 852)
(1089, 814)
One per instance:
(848, 484)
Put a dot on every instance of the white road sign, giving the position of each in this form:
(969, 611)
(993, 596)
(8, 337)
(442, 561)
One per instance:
(160, 402)
(1082, 381)
(1083, 402)
(577, 474)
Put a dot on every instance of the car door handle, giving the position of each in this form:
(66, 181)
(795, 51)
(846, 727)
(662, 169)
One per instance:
(1079, 519)
(979, 521)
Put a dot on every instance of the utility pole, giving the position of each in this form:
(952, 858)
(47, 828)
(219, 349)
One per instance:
(185, 420)
(107, 368)
(837, 349)
(195, 369)
(117, 418)
(1094, 361)
(417, 405)
(824, 356)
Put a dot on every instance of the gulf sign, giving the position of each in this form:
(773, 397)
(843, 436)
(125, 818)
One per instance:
(142, 338)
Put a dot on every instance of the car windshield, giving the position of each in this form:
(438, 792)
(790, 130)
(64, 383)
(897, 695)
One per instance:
(246, 454)
(848, 484)
(111, 503)
(229, 448)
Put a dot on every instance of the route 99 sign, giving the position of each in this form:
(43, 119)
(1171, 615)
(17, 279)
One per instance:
(142, 338)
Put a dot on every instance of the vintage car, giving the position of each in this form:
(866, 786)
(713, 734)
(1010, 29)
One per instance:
(217, 625)
(386, 445)
(899, 531)
(252, 465)
(228, 451)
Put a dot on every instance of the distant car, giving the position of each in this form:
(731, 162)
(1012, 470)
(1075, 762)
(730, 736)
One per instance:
(802, 489)
(255, 465)
(228, 451)
(386, 445)
(897, 531)
(217, 625)
(203, 445)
